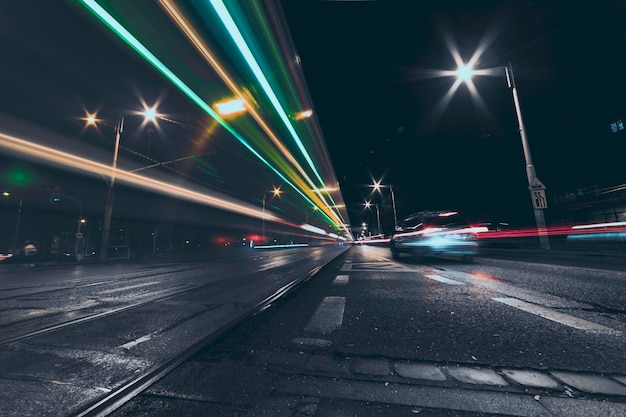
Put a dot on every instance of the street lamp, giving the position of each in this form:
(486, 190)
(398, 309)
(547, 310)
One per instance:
(377, 186)
(367, 206)
(464, 74)
(149, 114)
(276, 192)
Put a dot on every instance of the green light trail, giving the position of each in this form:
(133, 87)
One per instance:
(232, 28)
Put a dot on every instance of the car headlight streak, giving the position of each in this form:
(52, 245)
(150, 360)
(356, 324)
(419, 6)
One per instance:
(303, 186)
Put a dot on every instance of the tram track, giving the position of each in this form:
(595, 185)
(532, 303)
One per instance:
(126, 392)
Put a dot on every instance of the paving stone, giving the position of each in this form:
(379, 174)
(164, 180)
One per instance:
(531, 378)
(372, 367)
(419, 371)
(476, 376)
(594, 384)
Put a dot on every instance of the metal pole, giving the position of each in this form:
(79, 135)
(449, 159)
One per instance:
(79, 257)
(154, 234)
(530, 168)
(17, 225)
(393, 202)
(378, 217)
(263, 230)
(108, 209)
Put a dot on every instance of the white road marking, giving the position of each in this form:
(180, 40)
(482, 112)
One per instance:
(561, 318)
(346, 267)
(531, 296)
(328, 316)
(136, 342)
(128, 287)
(341, 280)
(444, 280)
(378, 267)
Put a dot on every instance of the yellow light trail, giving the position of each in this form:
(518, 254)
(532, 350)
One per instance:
(51, 155)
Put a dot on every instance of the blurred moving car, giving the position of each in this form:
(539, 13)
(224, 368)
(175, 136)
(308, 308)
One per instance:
(436, 233)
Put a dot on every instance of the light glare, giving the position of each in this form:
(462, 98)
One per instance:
(464, 72)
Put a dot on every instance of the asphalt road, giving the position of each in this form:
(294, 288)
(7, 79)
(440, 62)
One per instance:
(374, 337)
(366, 336)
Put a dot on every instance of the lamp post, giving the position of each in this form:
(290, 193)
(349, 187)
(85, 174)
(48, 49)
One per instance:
(377, 186)
(276, 192)
(17, 224)
(149, 114)
(464, 74)
(367, 206)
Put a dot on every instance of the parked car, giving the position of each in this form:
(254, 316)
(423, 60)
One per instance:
(436, 233)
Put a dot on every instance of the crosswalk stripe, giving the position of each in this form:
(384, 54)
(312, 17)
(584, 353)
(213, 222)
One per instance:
(341, 280)
(328, 316)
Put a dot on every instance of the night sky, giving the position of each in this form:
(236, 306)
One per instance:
(369, 67)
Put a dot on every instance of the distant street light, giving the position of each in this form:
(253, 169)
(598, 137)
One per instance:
(377, 186)
(369, 205)
(276, 192)
(149, 114)
(464, 74)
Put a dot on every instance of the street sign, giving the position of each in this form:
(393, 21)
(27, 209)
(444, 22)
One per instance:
(538, 194)
(535, 184)
(539, 199)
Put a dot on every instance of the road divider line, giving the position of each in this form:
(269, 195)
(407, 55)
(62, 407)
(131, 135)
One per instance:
(561, 318)
(341, 280)
(329, 315)
(444, 280)
(346, 267)
(534, 297)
